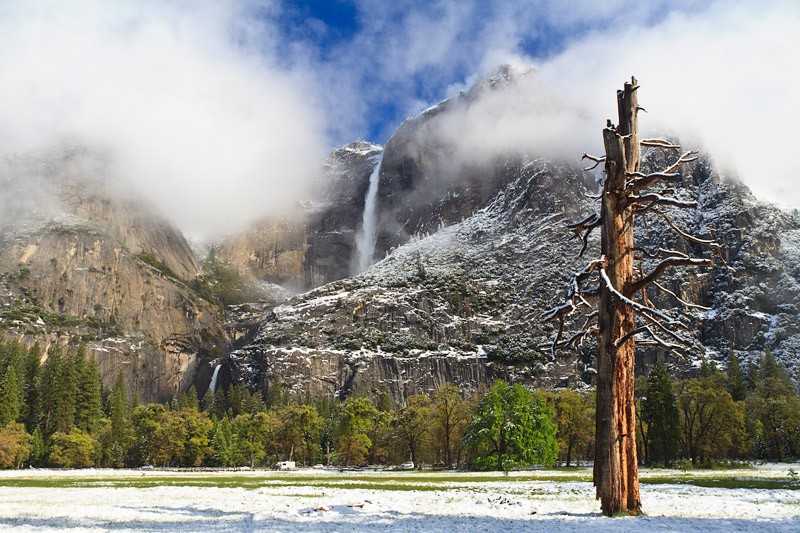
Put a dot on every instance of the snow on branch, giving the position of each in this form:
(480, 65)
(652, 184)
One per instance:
(575, 297)
(680, 260)
(624, 299)
(597, 161)
(686, 157)
(659, 143)
(641, 181)
(655, 199)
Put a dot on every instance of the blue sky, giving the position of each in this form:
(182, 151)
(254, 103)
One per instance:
(534, 29)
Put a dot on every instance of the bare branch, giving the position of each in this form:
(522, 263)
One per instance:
(659, 199)
(691, 238)
(681, 260)
(659, 143)
(656, 339)
(680, 300)
(597, 161)
(594, 196)
(584, 228)
(576, 339)
(686, 157)
(584, 222)
(674, 323)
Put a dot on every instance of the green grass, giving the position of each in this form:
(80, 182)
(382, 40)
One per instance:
(403, 482)
(726, 482)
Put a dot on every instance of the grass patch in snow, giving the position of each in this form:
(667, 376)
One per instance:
(386, 481)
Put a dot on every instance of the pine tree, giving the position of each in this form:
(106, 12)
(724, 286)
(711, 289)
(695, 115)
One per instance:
(66, 392)
(11, 407)
(252, 402)
(235, 398)
(89, 408)
(660, 412)
(31, 365)
(188, 400)
(225, 444)
(708, 368)
(38, 448)
(119, 412)
(772, 378)
(735, 378)
(46, 391)
(217, 405)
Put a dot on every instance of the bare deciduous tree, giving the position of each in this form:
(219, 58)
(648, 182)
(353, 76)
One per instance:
(611, 293)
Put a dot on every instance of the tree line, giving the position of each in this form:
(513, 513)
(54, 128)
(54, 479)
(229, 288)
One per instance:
(741, 413)
(57, 414)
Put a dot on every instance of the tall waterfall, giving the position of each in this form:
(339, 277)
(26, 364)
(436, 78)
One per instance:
(366, 238)
(213, 385)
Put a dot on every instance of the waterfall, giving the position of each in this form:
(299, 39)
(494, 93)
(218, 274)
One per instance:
(366, 238)
(213, 385)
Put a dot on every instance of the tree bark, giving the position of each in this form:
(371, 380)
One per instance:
(616, 473)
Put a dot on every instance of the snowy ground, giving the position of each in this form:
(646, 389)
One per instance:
(100, 500)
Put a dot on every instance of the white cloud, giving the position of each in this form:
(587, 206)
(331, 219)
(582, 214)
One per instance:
(723, 76)
(187, 100)
(208, 110)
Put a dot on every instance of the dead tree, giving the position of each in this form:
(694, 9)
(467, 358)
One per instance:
(611, 290)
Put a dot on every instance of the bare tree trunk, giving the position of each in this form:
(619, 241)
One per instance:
(626, 191)
(616, 474)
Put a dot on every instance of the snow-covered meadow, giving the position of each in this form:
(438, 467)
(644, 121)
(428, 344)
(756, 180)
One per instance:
(100, 500)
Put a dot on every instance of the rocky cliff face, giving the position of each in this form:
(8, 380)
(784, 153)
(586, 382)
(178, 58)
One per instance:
(471, 255)
(317, 244)
(474, 259)
(421, 190)
(452, 307)
(109, 273)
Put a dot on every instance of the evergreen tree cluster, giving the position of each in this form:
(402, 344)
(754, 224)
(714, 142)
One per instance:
(55, 413)
(738, 414)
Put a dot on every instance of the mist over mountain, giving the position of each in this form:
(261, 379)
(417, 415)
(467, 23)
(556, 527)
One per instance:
(170, 196)
(217, 115)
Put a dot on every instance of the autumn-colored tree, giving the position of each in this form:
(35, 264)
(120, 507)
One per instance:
(574, 418)
(75, 449)
(15, 446)
(159, 435)
(450, 415)
(710, 421)
(412, 425)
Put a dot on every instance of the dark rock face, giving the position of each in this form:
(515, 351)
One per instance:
(472, 256)
(453, 307)
(420, 191)
(336, 218)
(474, 259)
